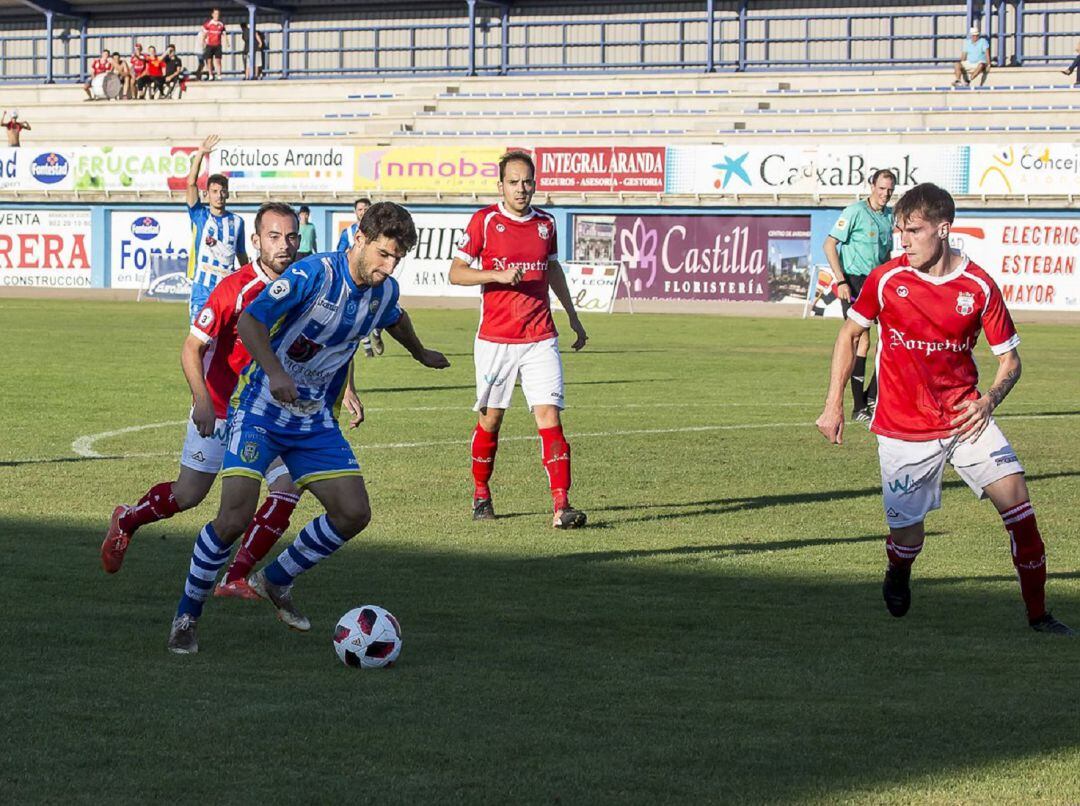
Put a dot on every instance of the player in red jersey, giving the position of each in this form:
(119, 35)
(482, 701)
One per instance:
(211, 34)
(98, 66)
(212, 359)
(930, 304)
(510, 250)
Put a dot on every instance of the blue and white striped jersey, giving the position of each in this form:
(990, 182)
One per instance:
(316, 315)
(217, 241)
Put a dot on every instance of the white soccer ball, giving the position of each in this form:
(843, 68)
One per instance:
(368, 637)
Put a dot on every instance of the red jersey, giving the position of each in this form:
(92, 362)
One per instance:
(155, 67)
(927, 329)
(138, 64)
(212, 31)
(215, 325)
(495, 239)
(100, 66)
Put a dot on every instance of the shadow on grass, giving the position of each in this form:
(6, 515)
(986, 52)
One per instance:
(525, 678)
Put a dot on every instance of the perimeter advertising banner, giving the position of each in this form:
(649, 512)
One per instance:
(1046, 168)
(710, 257)
(138, 238)
(784, 169)
(45, 248)
(428, 169)
(597, 169)
(285, 168)
(1033, 260)
(161, 168)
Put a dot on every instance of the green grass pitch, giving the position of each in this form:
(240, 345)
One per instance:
(716, 635)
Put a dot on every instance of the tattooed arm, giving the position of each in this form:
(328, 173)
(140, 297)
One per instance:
(974, 415)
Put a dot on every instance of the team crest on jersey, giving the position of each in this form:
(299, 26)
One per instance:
(902, 291)
(374, 306)
(965, 303)
(500, 228)
(279, 288)
(206, 318)
(211, 240)
(543, 230)
(250, 452)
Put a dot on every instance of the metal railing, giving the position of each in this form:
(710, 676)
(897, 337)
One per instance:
(740, 40)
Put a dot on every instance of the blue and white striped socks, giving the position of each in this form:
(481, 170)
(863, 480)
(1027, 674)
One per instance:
(315, 542)
(207, 558)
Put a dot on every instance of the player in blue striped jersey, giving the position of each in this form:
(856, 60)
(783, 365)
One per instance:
(302, 332)
(217, 247)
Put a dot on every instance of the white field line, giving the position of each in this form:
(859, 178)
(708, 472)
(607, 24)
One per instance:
(84, 445)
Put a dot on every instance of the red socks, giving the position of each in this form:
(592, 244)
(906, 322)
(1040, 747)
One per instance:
(901, 556)
(484, 446)
(555, 452)
(157, 505)
(1028, 556)
(269, 524)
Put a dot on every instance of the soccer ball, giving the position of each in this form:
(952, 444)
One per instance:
(368, 637)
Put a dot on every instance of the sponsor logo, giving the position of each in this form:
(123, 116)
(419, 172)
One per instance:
(199, 456)
(328, 305)
(732, 167)
(279, 288)
(250, 452)
(176, 284)
(543, 230)
(374, 306)
(145, 228)
(965, 303)
(49, 168)
(905, 487)
(841, 223)
(1004, 456)
(898, 339)
(463, 241)
(494, 380)
(556, 395)
(902, 292)
(206, 318)
(210, 240)
(303, 349)
(892, 513)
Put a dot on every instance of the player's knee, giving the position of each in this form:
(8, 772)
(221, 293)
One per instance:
(350, 519)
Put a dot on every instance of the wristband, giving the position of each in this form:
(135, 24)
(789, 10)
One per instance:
(842, 282)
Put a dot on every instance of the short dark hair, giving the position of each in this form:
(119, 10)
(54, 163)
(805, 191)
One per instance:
(170, 46)
(218, 179)
(389, 220)
(304, 209)
(515, 156)
(275, 207)
(883, 172)
(363, 200)
(928, 201)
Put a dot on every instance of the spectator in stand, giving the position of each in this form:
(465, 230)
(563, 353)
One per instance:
(308, 238)
(975, 60)
(175, 77)
(138, 69)
(260, 52)
(1075, 67)
(123, 72)
(99, 66)
(152, 82)
(14, 127)
(211, 35)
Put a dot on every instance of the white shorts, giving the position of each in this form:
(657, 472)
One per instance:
(498, 367)
(911, 471)
(970, 66)
(204, 453)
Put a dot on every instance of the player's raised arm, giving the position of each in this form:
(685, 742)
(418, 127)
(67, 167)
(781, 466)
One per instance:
(191, 360)
(197, 158)
(405, 335)
(256, 337)
(557, 282)
(831, 421)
